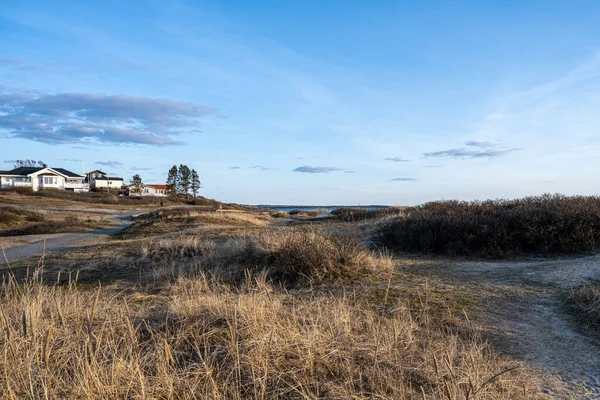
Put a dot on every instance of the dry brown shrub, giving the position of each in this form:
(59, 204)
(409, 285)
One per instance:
(585, 302)
(288, 256)
(538, 225)
(10, 216)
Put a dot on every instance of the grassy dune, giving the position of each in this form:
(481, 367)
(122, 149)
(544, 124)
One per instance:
(250, 307)
(195, 337)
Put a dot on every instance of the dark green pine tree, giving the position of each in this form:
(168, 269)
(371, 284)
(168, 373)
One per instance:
(172, 178)
(183, 179)
(194, 182)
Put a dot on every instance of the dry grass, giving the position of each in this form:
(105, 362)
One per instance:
(585, 303)
(165, 221)
(287, 256)
(198, 339)
(72, 224)
(16, 216)
(207, 216)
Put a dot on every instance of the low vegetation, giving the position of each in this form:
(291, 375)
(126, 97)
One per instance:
(308, 213)
(178, 219)
(290, 257)
(103, 197)
(351, 214)
(54, 226)
(584, 301)
(196, 338)
(539, 226)
(248, 307)
(11, 216)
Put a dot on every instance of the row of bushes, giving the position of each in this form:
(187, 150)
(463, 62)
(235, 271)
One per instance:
(353, 214)
(539, 225)
(347, 214)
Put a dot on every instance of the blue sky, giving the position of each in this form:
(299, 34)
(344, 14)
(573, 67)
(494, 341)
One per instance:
(310, 102)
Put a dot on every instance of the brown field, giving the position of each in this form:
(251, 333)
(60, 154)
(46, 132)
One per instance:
(192, 303)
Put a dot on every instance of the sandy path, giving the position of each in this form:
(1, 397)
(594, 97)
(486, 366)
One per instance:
(533, 324)
(56, 242)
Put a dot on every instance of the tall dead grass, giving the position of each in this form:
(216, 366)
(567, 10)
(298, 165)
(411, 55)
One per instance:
(287, 256)
(198, 339)
(585, 302)
(10, 216)
(205, 216)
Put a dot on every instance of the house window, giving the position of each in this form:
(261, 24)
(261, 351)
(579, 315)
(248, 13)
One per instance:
(50, 180)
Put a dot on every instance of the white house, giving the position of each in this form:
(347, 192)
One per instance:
(43, 178)
(150, 190)
(100, 180)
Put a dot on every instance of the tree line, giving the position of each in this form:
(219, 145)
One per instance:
(182, 180)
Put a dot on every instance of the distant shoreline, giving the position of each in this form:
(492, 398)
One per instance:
(287, 208)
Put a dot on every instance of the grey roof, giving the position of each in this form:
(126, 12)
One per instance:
(67, 173)
(23, 171)
(108, 178)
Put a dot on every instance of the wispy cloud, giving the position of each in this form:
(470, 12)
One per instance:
(259, 167)
(403, 180)
(263, 168)
(112, 164)
(140, 169)
(11, 61)
(316, 170)
(81, 117)
(22, 65)
(472, 149)
(481, 145)
(396, 159)
(462, 153)
(349, 171)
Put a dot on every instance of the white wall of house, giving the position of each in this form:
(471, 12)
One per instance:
(148, 191)
(45, 179)
(152, 192)
(15, 181)
(109, 184)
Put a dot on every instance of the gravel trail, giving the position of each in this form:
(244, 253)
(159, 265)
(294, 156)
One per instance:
(63, 240)
(537, 328)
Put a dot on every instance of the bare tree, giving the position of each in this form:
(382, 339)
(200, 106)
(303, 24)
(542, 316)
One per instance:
(136, 182)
